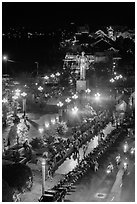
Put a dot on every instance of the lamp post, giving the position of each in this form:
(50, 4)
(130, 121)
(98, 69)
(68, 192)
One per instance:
(24, 103)
(68, 100)
(5, 58)
(43, 174)
(15, 97)
(60, 104)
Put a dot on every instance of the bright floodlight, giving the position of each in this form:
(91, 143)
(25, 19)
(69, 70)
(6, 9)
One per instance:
(5, 58)
(75, 110)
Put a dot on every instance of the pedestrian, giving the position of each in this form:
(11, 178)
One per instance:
(96, 166)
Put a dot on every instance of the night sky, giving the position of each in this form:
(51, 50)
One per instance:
(51, 16)
(58, 14)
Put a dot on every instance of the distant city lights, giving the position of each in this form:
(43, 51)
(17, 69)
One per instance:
(15, 97)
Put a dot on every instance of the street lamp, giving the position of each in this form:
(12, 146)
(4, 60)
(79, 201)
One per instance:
(57, 74)
(46, 77)
(24, 103)
(46, 124)
(68, 100)
(15, 97)
(40, 88)
(75, 110)
(97, 96)
(17, 92)
(41, 130)
(5, 58)
(52, 75)
(75, 96)
(87, 91)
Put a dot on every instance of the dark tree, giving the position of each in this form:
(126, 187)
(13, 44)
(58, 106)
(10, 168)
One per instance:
(18, 176)
(7, 192)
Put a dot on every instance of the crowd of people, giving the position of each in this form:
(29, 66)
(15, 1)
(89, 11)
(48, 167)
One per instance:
(81, 136)
(92, 160)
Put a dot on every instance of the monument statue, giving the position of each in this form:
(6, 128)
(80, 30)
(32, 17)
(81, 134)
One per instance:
(83, 65)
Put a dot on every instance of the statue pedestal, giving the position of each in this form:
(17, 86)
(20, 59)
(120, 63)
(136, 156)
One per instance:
(81, 85)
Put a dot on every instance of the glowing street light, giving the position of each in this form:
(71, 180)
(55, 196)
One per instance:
(52, 75)
(75, 110)
(75, 96)
(4, 100)
(68, 100)
(40, 88)
(46, 124)
(60, 104)
(5, 58)
(46, 77)
(23, 94)
(15, 97)
(17, 92)
(88, 91)
(41, 130)
(53, 121)
(112, 80)
(97, 96)
(57, 74)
